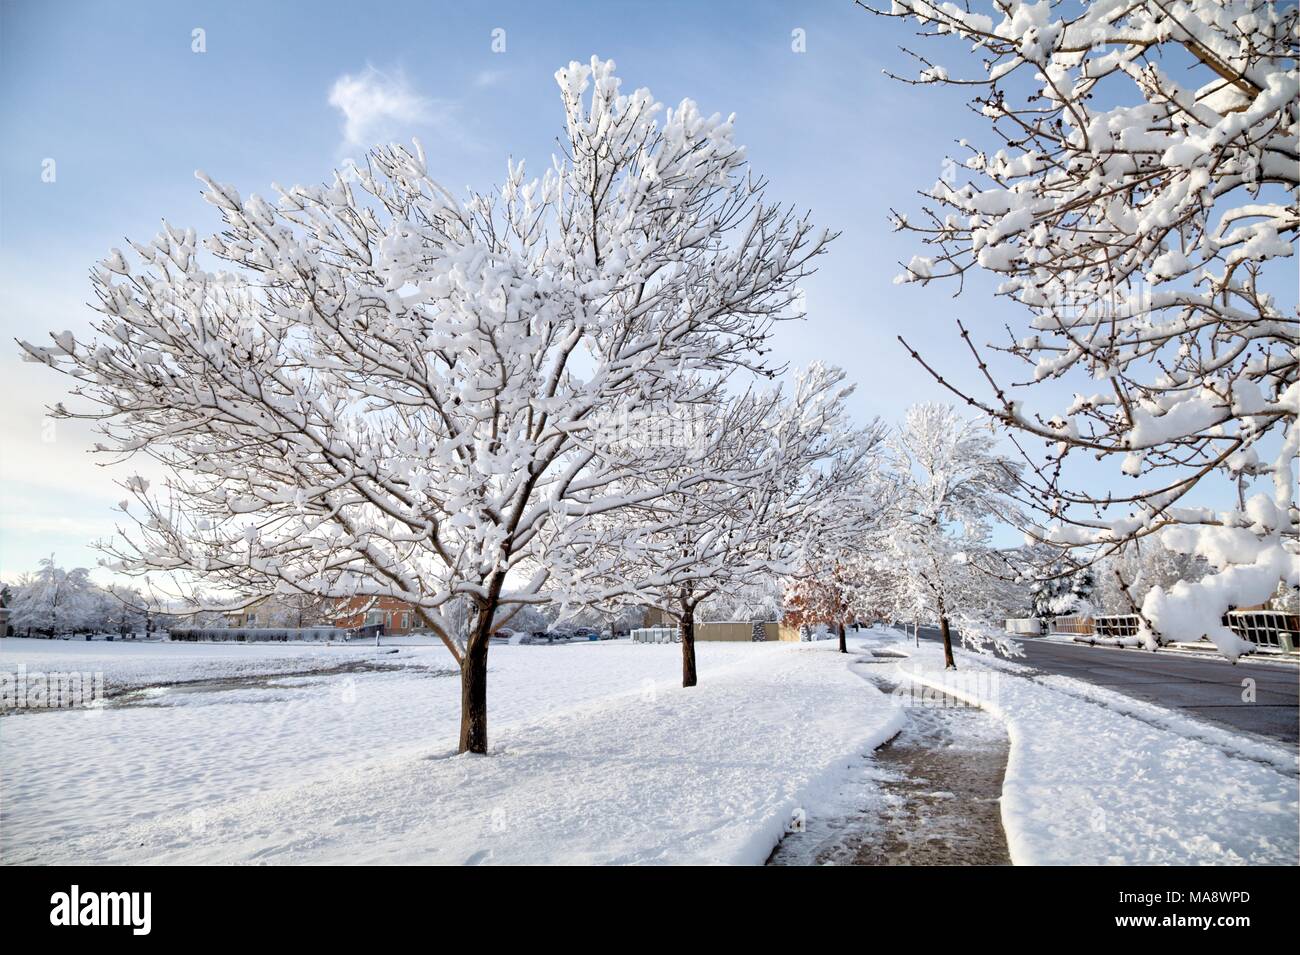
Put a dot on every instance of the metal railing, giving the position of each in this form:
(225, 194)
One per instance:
(1274, 629)
(1116, 625)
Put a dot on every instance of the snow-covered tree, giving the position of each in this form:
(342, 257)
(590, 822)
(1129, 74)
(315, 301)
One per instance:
(616, 617)
(529, 618)
(886, 593)
(387, 391)
(1125, 577)
(1061, 590)
(55, 601)
(757, 599)
(1135, 189)
(844, 579)
(836, 593)
(122, 609)
(790, 470)
(950, 483)
(295, 610)
(1015, 572)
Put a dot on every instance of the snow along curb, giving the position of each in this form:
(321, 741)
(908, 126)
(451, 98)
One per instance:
(1089, 785)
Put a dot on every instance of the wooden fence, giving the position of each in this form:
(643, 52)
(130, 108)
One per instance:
(1072, 625)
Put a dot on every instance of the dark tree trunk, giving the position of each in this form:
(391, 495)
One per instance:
(844, 647)
(687, 625)
(473, 687)
(948, 662)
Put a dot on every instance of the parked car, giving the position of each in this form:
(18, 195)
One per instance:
(512, 637)
(554, 635)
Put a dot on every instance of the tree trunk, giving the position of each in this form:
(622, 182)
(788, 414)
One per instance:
(844, 647)
(473, 687)
(948, 662)
(688, 647)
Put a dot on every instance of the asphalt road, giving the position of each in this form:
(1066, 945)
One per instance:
(1205, 688)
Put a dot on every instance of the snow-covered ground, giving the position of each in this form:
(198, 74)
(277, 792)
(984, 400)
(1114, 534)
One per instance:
(1096, 778)
(128, 664)
(237, 753)
(598, 756)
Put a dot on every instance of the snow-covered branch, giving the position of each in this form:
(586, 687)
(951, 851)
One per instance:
(1135, 190)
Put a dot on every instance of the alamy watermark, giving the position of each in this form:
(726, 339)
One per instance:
(76, 907)
(20, 690)
(977, 689)
(684, 428)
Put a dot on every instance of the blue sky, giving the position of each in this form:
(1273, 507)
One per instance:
(113, 93)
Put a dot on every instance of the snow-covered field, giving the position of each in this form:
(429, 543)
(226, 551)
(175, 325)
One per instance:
(346, 754)
(128, 664)
(598, 756)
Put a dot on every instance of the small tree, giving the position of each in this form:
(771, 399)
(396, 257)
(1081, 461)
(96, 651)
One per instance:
(843, 580)
(950, 483)
(834, 594)
(786, 471)
(390, 392)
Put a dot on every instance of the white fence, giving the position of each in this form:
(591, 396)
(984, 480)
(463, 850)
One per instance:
(657, 635)
(1026, 625)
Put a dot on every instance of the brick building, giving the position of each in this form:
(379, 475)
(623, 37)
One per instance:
(395, 616)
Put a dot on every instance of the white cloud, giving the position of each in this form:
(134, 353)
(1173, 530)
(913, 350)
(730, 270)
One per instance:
(487, 78)
(378, 105)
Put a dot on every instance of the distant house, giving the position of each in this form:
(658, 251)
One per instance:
(276, 610)
(395, 616)
(256, 614)
(735, 631)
